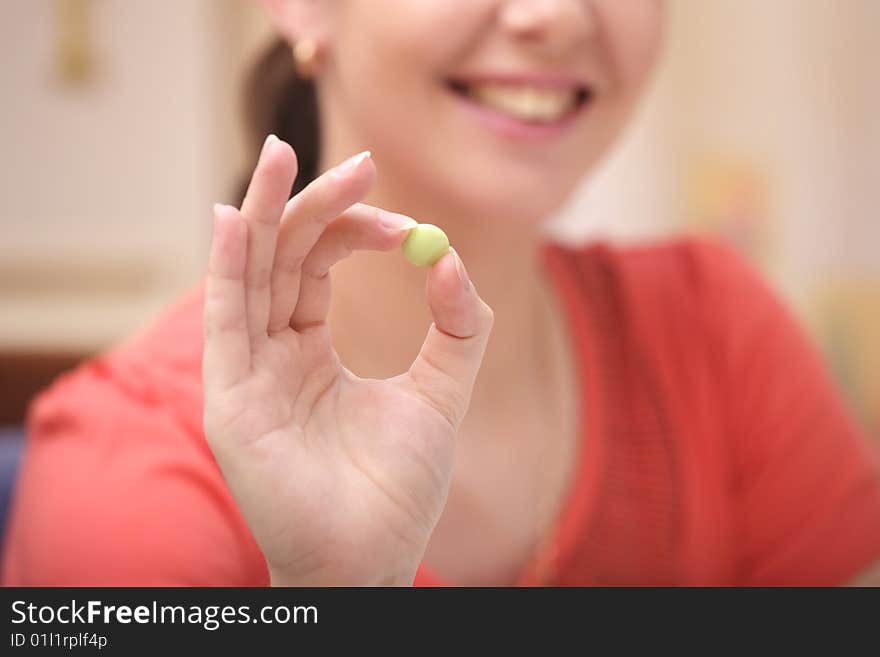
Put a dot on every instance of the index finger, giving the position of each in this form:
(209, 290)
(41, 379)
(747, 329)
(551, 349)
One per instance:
(304, 220)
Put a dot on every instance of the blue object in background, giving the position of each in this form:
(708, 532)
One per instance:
(11, 448)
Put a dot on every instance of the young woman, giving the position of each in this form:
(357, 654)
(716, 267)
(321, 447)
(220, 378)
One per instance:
(647, 415)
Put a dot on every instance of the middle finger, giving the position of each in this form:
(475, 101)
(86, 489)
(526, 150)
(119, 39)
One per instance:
(263, 203)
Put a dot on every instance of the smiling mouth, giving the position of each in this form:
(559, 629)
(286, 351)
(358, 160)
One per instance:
(539, 105)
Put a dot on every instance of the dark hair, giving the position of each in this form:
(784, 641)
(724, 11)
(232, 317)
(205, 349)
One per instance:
(278, 101)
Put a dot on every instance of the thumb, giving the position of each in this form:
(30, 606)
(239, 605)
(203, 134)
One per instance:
(446, 367)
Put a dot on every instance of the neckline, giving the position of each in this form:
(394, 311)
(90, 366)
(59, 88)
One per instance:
(559, 546)
(549, 559)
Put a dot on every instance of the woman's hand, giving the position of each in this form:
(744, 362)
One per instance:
(341, 479)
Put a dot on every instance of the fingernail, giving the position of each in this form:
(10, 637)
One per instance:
(392, 221)
(271, 139)
(215, 219)
(460, 269)
(352, 163)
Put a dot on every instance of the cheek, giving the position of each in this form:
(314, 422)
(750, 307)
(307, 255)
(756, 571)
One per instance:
(403, 39)
(389, 72)
(633, 32)
(387, 64)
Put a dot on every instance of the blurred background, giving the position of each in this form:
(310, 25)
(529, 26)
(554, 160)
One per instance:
(121, 126)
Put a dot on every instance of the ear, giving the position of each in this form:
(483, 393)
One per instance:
(298, 19)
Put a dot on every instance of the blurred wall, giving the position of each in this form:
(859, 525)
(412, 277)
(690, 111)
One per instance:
(108, 181)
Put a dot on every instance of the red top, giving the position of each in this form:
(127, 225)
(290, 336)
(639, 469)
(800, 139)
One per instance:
(716, 450)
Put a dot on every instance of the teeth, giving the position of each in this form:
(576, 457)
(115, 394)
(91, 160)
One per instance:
(523, 102)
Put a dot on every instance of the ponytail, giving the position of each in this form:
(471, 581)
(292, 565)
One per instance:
(278, 101)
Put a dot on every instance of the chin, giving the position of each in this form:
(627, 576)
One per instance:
(519, 208)
(521, 197)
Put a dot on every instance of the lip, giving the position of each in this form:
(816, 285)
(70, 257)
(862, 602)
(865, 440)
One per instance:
(510, 127)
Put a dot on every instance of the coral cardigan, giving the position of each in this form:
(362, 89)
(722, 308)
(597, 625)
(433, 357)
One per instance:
(716, 450)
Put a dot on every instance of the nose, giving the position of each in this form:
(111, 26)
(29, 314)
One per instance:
(552, 27)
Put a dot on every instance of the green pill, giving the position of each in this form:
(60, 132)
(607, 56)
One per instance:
(425, 245)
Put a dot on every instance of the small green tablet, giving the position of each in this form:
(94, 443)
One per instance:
(425, 245)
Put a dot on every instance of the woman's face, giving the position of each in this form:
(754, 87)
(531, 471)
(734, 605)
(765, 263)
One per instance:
(496, 106)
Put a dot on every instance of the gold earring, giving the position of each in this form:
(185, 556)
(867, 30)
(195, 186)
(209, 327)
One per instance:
(305, 54)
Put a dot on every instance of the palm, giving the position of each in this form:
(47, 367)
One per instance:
(340, 479)
(325, 446)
